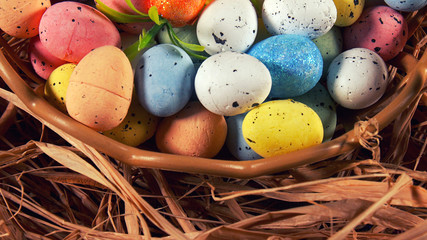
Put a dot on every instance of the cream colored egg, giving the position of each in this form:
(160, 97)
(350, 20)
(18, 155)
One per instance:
(56, 85)
(281, 126)
(21, 18)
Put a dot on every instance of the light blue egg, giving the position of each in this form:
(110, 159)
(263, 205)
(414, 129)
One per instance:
(321, 102)
(295, 64)
(406, 5)
(164, 79)
(235, 141)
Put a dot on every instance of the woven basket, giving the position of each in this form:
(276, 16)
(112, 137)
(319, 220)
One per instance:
(298, 171)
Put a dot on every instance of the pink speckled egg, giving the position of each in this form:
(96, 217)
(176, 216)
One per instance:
(42, 60)
(121, 6)
(194, 131)
(380, 29)
(70, 30)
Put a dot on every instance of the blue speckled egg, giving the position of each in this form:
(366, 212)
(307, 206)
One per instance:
(406, 5)
(295, 64)
(164, 79)
(321, 102)
(235, 141)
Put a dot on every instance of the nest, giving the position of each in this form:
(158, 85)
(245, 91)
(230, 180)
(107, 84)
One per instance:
(55, 185)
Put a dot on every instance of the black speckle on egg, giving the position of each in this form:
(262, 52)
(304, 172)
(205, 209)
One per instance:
(139, 122)
(373, 40)
(377, 49)
(235, 104)
(250, 140)
(375, 62)
(73, 20)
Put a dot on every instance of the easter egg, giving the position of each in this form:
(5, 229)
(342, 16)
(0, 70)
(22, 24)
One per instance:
(321, 102)
(122, 7)
(227, 26)
(309, 18)
(348, 11)
(194, 131)
(231, 83)
(55, 89)
(235, 141)
(406, 5)
(357, 78)
(380, 29)
(295, 64)
(100, 89)
(21, 18)
(41, 59)
(164, 79)
(137, 127)
(70, 30)
(329, 45)
(281, 126)
(179, 12)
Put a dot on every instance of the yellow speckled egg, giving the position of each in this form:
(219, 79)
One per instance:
(281, 126)
(100, 89)
(137, 127)
(348, 11)
(21, 18)
(56, 85)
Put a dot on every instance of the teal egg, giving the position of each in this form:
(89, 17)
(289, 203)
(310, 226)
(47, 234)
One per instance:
(321, 102)
(330, 46)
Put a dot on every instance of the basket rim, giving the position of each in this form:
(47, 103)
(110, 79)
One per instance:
(415, 78)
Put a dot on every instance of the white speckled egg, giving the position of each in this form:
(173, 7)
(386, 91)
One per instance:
(310, 18)
(357, 78)
(231, 83)
(227, 26)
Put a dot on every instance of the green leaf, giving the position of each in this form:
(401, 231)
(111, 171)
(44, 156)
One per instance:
(189, 46)
(145, 40)
(153, 14)
(119, 17)
(130, 4)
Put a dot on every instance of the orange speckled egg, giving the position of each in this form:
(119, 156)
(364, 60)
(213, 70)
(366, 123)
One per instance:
(179, 12)
(194, 131)
(21, 18)
(100, 89)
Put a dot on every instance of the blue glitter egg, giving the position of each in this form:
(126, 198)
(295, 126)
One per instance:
(235, 141)
(295, 64)
(164, 79)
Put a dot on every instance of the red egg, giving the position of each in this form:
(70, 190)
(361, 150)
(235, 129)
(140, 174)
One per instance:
(179, 12)
(70, 30)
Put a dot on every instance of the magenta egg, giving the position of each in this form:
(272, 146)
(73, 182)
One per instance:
(380, 29)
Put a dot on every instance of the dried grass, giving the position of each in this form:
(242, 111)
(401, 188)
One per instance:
(53, 186)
